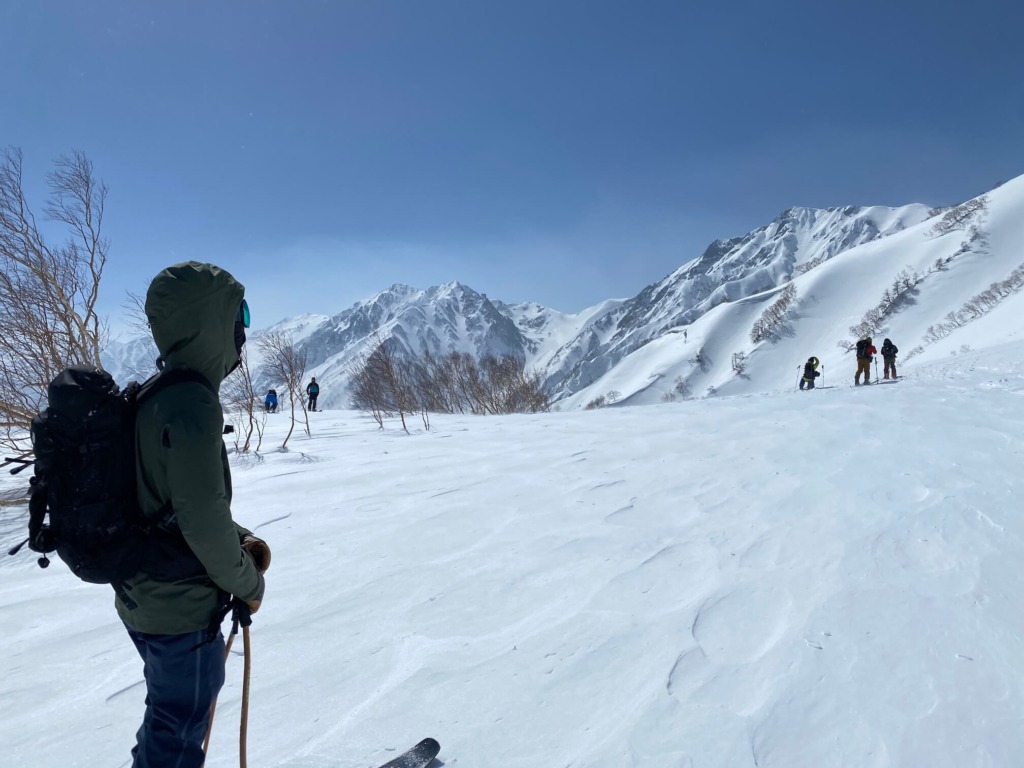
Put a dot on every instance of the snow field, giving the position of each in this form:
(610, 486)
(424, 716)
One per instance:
(788, 580)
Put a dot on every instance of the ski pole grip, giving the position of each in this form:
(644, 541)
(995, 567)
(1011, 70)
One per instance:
(240, 613)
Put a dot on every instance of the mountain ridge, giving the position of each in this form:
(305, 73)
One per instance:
(575, 351)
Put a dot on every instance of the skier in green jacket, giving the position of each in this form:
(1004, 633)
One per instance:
(202, 559)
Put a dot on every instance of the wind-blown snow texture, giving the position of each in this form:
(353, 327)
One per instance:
(777, 580)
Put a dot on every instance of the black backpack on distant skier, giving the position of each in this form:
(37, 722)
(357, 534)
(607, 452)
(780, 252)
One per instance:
(84, 445)
(889, 349)
(862, 349)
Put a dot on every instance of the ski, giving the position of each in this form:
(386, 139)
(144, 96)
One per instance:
(420, 756)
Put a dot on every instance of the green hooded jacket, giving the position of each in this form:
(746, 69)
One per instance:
(181, 460)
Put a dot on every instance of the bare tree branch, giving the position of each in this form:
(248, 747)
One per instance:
(48, 293)
(285, 363)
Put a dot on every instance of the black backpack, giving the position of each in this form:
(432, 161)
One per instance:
(862, 349)
(84, 444)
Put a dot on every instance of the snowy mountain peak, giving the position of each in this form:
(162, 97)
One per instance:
(442, 319)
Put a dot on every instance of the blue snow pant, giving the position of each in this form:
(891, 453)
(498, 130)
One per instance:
(182, 682)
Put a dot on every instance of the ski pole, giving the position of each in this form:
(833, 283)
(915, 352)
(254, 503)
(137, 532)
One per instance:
(876, 369)
(822, 375)
(244, 724)
(240, 616)
(213, 707)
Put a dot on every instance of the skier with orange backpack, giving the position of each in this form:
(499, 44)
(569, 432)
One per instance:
(865, 354)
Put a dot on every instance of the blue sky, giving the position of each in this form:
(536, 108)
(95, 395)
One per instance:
(559, 152)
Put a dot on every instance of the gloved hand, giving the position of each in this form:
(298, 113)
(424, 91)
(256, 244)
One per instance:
(260, 554)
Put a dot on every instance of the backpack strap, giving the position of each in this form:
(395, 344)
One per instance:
(39, 538)
(162, 523)
(168, 378)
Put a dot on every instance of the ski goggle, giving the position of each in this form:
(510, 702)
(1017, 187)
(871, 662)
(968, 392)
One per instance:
(243, 314)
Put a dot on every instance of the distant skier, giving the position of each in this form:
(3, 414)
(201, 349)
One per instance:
(313, 390)
(889, 352)
(811, 372)
(865, 354)
(270, 402)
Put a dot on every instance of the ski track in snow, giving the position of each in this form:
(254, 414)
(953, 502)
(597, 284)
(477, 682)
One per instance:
(779, 581)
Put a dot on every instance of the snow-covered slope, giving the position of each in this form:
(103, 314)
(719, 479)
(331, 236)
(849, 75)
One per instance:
(777, 580)
(833, 297)
(729, 270)
(132, 358)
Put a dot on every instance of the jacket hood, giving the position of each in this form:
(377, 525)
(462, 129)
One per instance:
(191, 308)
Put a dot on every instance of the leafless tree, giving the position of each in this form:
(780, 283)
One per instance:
(974, 307)
(48, 292)
(739, 362)
(240, 398)
(772, 318)
(807, 266)
(390, 380)
(960, 215)
(701, 360)
(283, 362)
(366, 393)
(893, 299)
(135, 312)
(464, 378)
(386, 382)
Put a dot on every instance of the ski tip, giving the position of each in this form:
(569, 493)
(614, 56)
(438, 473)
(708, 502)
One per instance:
(419, 756)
